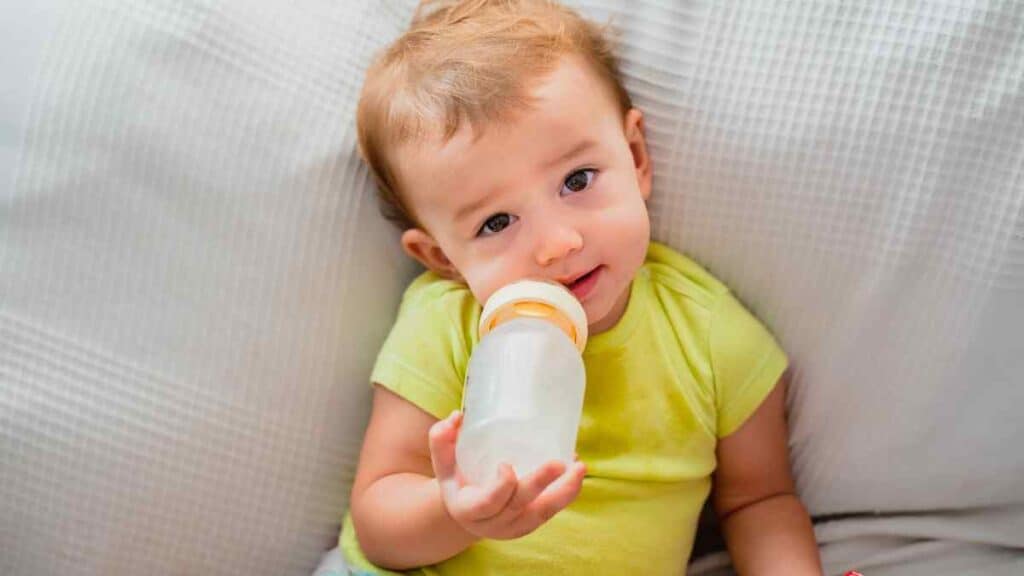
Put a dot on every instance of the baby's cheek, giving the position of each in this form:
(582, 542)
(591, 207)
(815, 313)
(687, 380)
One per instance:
(481, 294)
(627, 226)
(488, 277)
(484, 281)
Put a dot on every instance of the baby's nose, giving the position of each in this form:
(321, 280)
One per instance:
(557, 243)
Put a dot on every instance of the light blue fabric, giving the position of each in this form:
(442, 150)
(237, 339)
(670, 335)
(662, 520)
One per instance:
(333, 564)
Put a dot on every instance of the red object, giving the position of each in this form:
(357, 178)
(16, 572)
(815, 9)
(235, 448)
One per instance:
(852, 573)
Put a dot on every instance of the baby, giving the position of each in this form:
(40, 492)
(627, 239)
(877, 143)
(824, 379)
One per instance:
(505, 147)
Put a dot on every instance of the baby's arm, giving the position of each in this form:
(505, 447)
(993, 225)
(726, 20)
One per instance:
(409, 506)
(766, 526)
(396, 505)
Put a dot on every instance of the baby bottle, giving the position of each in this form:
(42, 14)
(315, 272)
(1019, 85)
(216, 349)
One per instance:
(524, 385)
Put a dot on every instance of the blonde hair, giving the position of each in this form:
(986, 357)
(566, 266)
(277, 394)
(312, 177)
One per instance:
(467, 61)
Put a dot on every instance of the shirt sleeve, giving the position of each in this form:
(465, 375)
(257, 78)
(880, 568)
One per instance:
(746, 363)
(425, 355)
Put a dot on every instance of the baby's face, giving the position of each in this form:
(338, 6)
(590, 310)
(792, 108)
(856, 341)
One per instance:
(559, 193)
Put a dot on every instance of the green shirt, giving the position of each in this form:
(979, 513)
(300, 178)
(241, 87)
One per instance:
(684, 366)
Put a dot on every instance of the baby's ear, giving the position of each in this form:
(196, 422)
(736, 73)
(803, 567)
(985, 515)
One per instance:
(422, 247)
(634, 127)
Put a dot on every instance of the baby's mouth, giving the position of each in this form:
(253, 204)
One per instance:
(583, 286)
(577, 282)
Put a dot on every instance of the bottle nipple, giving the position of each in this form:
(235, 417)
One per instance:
(537, 299)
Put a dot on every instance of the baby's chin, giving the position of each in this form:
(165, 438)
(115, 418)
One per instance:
(600, 319)
(605, 313)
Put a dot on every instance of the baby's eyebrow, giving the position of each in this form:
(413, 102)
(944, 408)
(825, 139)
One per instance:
(576, 150)
(469, 208)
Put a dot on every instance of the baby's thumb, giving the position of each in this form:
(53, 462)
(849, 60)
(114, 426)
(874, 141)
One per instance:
(443, 435)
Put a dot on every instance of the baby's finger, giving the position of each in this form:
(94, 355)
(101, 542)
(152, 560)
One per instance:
(442, 438)
(558, 495)
(484, 502)
(531, 486)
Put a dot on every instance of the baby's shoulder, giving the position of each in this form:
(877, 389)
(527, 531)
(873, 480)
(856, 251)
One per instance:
(677, 280)
(433, 303)
(431, 289)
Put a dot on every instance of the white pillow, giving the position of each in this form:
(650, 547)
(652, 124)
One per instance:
(194, 280)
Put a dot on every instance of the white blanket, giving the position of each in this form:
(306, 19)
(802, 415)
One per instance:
(194, 279)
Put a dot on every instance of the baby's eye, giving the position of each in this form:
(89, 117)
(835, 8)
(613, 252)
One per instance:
(578, 181)
(496, 224)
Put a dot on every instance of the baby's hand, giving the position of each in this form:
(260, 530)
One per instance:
(508, 507)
